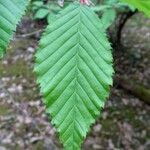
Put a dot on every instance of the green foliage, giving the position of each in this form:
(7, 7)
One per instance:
(113, 4)
(142, 5)
(108, 17)
(73, 61)
(11, 12)
(108, 10)
(43, 10)
(74, 70)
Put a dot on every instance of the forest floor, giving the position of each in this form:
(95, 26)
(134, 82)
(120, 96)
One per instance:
(125, 121)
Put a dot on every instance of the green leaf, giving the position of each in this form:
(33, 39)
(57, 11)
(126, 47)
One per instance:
(100, 8)
(74, 69)
(11, 12)
(51, 17)
(38, 3)
(124, 6)
(41, 13)
(108, 17)
(142, 5)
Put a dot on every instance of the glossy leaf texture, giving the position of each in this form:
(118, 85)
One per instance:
(74, 70)
(142, 5)
(11, 12)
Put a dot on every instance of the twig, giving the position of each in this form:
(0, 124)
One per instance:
(29, 34)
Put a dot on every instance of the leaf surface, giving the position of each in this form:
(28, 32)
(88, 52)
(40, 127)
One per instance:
(142, 5)
(74, 69)
(108, 17)
(11, 12)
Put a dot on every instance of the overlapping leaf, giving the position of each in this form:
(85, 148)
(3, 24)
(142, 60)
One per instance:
(74, 69)
(108, 17)
(142, 5)
(11, 12)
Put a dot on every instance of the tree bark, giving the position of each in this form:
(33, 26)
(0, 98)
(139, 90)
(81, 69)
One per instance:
(137, 89)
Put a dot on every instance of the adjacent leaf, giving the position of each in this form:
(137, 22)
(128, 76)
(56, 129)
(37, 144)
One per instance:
(74, 69)
(11, 12)
(38, 3)
(35, 5)
(108, 17)
(41, 13)
(110, 2)
(142, 5)
(101, 8)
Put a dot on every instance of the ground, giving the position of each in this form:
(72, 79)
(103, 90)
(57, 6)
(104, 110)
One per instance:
(125, 121)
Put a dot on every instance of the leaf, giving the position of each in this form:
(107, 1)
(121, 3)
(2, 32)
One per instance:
(36, 5)
(108, 17)
(100, 8)
(124, 6)
(74, 69)
(51, 17)
(41, 13)
(110, 2)
(142, 5)
(11, 12)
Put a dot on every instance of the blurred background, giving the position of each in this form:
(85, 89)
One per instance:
(125, 121)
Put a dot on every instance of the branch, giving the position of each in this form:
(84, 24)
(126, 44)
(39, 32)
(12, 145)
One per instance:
(29, 34)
